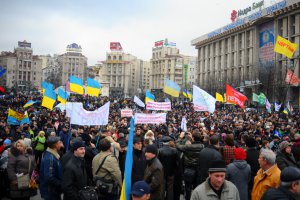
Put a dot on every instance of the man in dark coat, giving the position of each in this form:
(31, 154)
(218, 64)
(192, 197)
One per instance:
(74, 174)
(207, 155)
(191, 156)
(289, 187)
(139, 160)
(154, 173)
(168, 157)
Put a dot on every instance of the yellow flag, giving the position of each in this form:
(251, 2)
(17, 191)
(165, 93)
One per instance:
(219, 97)
(285, 47)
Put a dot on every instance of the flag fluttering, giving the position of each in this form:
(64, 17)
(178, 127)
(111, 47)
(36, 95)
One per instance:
(171, 88)
(202, 100)
(62, 96)
(277, 107)
(235, 97)
(16, 118)
(93, 87)
(29, 103)
(149, 97)
(49, 99)
(76, 85)
(138, 101)
(255, 97)
(285, 47)
(219, 97)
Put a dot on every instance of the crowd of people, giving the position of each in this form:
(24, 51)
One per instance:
(229, 154)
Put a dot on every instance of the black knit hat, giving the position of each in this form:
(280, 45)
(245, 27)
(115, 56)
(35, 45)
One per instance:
(151, 149)
(217, 166)
(77, 145)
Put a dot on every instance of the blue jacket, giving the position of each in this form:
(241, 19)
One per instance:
(51, 173)
(64, 137)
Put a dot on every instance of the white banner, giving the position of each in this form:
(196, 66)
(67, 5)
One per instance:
(158, 106)
(69, 106)
(80, 116)
(200, 108)
(126, 113)
(141, 118)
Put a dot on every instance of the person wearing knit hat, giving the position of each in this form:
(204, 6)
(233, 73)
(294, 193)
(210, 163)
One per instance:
(154, 174)
(289, 186)
(239, 172)
(77, 145)
(285, 157)
(215, 186)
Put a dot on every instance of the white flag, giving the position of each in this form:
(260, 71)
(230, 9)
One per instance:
(203, 100)
(183, 124)
(138, 102)
(277, 107)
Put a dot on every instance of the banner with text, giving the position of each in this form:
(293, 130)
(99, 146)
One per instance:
(158, 118)
(126, 113)
(80, 116)
(159, 106)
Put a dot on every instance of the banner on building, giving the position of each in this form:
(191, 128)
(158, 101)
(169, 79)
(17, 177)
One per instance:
(292, 79)
(158, 118)
(82, 117)
(116, 46)
(126, 113)
(266, 53)
(159, 106)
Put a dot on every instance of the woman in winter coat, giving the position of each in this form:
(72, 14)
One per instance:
(239, 172)
(285, 156)
(39, 148)
(19, 161)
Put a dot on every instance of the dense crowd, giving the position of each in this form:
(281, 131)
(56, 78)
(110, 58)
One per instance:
(229, 154)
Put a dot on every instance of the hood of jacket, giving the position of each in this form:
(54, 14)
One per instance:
(241, 164)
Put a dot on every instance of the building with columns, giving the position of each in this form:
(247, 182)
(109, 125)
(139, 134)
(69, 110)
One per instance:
(242, 53)
(168, 63)
(23, 69)
(124, 73)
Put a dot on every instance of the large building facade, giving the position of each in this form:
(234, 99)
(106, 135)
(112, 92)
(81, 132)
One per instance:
(23, 69)
(124, 73)
(168, 63)
(242, 53)
(59, 68)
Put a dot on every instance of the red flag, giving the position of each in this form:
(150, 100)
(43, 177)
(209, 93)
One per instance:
(235, 97)
(291, 78)
(2, 89)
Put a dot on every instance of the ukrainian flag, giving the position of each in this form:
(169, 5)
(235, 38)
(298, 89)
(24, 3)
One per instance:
(62, 96)
(29, 103)
(190, 95)
(93, 87)
(171, 88)
(187, 94)
(126, 187)
(49, 99)
(76, 85)
(16, 118)
(46, 85)
(149, 97)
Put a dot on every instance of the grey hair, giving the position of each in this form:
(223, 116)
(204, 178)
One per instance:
(269, 156)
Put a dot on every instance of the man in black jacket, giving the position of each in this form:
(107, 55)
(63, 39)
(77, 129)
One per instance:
(207, 155)
(191, 155)
(139, 160)
(74, 174)
(289, 187)
(168, 157)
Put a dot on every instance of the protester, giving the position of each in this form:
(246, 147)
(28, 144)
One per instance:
(215, 186)
(51, 171)
(268, 176)
(239, 172)
(139, 160)
(154, 173)
(140, 191)
(75, 176)
(285, 156)
(39, 147)
(289, 186)
(3, 168)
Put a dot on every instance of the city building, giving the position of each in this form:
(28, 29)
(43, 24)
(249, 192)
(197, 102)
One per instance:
(23, 69)
(124, 73)
(242, 53)
(59, 68)
(168, 63)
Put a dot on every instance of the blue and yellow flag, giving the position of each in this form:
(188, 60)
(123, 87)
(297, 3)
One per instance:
(126, 187)
(16, 118)
(149, 97)
(46, 85)
(187, 94)
(29, 103)
(171, 88)
(93, 87)
(62, 96)
(49, 99)
(76, 85)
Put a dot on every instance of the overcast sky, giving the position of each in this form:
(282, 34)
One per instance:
(51, 25)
